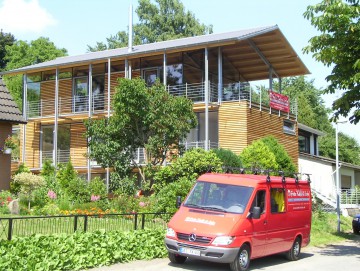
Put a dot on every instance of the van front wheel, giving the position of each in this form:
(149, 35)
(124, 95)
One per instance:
(176, 258)
(294, 253)
(242, 260)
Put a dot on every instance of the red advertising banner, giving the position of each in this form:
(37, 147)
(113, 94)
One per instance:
(279, 101)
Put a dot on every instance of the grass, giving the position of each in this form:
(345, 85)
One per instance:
(324, 229)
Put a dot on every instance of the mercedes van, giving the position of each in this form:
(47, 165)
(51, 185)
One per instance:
(234, 218)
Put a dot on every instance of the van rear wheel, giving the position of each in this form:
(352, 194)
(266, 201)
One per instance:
(242, 260)
(294, 253)
(176, 258)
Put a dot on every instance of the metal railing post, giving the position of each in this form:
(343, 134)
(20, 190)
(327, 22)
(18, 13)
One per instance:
(75, 223)
(10, 229)
(85, 222)
(142, 221)
(135, 221)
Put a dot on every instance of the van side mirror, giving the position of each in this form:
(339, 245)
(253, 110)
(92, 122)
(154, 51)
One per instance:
(256, 213)
(178, 201)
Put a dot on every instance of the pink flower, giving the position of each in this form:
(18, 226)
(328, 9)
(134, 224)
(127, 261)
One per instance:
(142, 204)
(51, 194)
(95, 198)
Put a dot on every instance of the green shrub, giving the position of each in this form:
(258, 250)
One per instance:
(258, 155)
(282, 158)
(80, 250)
(123, 186)
(192, 164)
(98, 187)
(166, 197)
(49, 209)
(5, 198)
(77, 190)
(28, 184)
(228, 158)
(15, 187)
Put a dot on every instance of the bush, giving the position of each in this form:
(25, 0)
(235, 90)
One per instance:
(258, 156)
(166, 197)
(98, 187)
(15, 187)
(28, 184)
(228, 158)
(190, 166)
(80, 251)
(123, 186)
(5, 198)
(282, 158)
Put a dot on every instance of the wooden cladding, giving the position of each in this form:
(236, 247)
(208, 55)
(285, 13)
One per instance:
(240, 125)
(32, 147)
(78, 145)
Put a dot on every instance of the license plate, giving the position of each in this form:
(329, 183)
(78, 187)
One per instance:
(190, 251)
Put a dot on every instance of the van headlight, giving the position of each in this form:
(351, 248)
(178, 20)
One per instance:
(170, 232)
(223, 240)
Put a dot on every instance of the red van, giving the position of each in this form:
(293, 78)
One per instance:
(233, 218)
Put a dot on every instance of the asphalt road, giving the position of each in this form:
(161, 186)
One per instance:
(343, 256)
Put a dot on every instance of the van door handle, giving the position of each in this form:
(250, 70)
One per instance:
(265, 222)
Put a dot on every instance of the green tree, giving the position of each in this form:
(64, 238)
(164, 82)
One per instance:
(143, 117)
(22, 54)
(159, 21)
(28, 183)
(338, 46)
(282, 158)
(258, 156)
(6, 39)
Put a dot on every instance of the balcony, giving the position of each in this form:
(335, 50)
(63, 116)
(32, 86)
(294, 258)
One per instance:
(195, 92)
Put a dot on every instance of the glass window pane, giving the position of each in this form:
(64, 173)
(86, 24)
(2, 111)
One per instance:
(33, 98)
(80, 94)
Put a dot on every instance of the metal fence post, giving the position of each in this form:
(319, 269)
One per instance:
(75, 223)
(135, 221)
(142, 221)
(10, 229)
(85, 222)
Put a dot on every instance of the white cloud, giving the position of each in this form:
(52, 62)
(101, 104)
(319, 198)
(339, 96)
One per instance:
(24, 16)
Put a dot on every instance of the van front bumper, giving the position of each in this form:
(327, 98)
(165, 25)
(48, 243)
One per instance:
(206, 253)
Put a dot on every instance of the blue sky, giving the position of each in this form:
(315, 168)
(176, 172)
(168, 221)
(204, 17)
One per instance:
(74, 24)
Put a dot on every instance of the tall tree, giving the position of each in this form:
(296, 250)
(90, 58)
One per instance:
(164, 20)
(338, 46)
(6, 39)
(22, 54)
(143, 117)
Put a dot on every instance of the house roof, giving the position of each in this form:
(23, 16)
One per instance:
(8, 109)
(310, 130)
(250, 51)
(328, 160)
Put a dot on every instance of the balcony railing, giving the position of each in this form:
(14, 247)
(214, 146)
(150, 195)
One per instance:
(195, 92)
(139, 155)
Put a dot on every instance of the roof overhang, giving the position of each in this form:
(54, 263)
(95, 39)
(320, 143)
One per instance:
(253, 52)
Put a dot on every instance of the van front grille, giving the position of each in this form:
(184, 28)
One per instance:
(198, 239)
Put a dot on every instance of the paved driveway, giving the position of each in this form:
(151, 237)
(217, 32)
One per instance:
(344, 256)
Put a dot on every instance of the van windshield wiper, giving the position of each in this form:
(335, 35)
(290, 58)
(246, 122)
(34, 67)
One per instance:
(213, 208)
(192, 205)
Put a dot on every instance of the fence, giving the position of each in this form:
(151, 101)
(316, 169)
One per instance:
(26, 226)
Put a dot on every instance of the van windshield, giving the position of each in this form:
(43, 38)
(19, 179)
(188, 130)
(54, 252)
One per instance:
(219, 197)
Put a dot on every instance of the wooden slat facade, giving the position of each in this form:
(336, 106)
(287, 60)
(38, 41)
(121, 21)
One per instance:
(78, 145)
(32, 147)
(240, 125)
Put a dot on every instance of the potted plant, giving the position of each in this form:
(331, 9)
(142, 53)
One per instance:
(10, 144)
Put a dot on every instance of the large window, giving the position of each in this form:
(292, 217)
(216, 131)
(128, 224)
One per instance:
(81, 93)
(33, 95)
(63, 143)
(304, 142)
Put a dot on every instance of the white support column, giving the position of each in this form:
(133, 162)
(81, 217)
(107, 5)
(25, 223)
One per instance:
(25, 105)
(126, 68)
(55, 135)
(220, 75)
(206, 99)
(89, 116)
(165, 70)
(108, 116)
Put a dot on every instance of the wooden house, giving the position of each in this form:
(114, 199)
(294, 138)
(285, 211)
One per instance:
(214, 71)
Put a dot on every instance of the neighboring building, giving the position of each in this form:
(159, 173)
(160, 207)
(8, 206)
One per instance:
(9, 115)
(323, 171)
(214, 71)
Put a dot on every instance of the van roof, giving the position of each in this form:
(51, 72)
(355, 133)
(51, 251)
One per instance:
(246, 179)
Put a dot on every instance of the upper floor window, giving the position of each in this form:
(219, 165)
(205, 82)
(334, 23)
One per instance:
(304, 142)
(289, 127)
